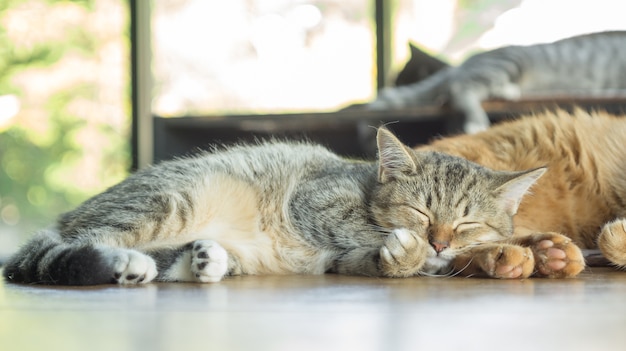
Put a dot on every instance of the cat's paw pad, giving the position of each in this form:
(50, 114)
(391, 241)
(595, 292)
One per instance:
(612, 242)
(505, 261)
(209, 261)
(131, 267)
(556, 256)
(403, 253)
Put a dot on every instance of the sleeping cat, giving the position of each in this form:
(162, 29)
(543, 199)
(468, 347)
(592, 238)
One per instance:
(419, 67)
(287, 207)
(583, 192)
(586, 65)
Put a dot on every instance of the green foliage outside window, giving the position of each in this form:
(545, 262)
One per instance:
(64, 112)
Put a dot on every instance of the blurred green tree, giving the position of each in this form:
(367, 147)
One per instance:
(64, 120)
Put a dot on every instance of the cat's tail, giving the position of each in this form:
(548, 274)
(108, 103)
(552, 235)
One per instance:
(430, 91)
(47, 259)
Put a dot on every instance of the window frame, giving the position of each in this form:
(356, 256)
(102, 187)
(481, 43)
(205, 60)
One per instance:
(143, 120)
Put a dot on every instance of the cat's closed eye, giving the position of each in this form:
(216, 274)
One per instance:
(466, 227)
(421, 216)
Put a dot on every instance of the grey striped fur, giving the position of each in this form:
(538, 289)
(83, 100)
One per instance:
(275, 208)
(586, 65)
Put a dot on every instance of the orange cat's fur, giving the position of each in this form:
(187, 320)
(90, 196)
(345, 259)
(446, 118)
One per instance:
(583, 193)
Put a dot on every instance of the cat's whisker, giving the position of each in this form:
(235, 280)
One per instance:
(450, 273)
(380, 229)
(435, 275)
(468, 248)
(464, 268)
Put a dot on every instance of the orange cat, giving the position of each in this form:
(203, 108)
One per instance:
(582, 195)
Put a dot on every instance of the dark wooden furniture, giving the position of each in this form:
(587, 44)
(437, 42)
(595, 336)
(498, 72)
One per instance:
(346, 132)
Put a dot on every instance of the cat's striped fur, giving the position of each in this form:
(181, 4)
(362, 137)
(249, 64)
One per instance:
(586, 65)
(278, 208)
(583, 193)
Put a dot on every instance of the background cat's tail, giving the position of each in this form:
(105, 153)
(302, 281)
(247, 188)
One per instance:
(430, 91)
(46, 259)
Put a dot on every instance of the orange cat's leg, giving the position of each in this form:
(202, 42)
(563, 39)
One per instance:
(548, 255)
(496, 260)
(612, 242)
(556, 256)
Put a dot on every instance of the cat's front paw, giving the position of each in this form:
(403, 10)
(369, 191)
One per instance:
(130, 266)
(209, 261)
(612, 242)
(556, 256)
(475, 127)
(403, 254)
(504, 261)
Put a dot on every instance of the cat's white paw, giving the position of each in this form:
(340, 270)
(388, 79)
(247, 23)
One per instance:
(403, 253)
(475, 127)
(209, 261)
(130, 266)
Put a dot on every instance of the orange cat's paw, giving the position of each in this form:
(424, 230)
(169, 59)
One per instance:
(612, 242)
(556, 256)
(504, 261)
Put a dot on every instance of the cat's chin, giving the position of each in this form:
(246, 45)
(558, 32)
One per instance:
(436, 265)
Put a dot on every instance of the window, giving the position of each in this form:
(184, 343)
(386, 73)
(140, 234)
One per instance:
(243, 67)
(260, 56)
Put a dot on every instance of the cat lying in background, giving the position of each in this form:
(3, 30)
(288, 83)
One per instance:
(586, 65)
(419, 67)
(581, 195)
(296, 208)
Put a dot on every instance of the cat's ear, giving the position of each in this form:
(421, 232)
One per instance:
(510, 193)
(414, 50)
(394, 157)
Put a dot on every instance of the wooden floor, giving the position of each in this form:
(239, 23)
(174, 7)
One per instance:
(328, 312)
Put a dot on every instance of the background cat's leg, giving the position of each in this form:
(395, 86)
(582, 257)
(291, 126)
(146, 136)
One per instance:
(467, 98)
(556, 256)
(496, 260)
(612, 242)
(47, 259)
(470, 88)
(199, 261)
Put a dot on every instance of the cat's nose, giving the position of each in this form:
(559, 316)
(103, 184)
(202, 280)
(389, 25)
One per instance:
(439, 245)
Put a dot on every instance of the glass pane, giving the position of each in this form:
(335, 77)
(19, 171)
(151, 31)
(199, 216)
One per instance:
(261, 56)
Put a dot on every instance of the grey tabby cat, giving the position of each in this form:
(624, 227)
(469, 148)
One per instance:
(278, 208)
(586, 65)
(419, 67)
